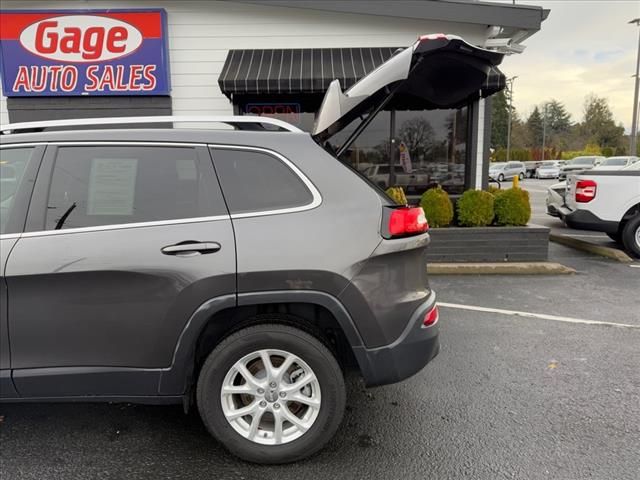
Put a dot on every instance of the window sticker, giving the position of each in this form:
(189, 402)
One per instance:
(112, 186)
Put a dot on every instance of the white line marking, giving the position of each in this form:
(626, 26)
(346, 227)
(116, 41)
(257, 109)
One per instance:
(535, 315)
(634, 266)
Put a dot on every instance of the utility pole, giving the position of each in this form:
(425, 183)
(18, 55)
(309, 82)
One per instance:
(510, 83)
(634, 120)
(544, 129)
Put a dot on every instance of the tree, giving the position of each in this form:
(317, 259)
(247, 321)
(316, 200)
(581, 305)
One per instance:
(535, 127)
(417, 134)
(499, 119)
(598, 125)
(557, 118)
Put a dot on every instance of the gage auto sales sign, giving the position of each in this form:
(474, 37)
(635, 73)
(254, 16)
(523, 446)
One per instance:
(88, 52)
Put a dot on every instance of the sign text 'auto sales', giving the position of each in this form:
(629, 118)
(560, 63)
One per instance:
(89, 52)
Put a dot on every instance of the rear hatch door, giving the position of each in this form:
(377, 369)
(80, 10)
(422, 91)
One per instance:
(438, 71)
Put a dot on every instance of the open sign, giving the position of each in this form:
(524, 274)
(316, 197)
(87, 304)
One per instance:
(88, 52)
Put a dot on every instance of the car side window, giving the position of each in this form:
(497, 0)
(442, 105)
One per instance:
(13, 163)
(254, 181)
(107, 185)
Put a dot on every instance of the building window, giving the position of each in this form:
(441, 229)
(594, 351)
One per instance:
(436, 144)
(429, 146)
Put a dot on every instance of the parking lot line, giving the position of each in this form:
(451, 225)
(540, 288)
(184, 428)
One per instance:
(544, 316)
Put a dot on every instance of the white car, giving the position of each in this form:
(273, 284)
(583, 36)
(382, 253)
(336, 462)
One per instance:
(579, 164)
(555, 198)
(548, 169)
(606, 201)
(616, 163)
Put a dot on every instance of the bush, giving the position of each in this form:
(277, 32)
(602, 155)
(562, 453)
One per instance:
(493, 190)
(512, 207)
(437, 207)
(475, 208)
(397, 195)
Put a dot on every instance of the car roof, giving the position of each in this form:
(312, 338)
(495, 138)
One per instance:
(165, 135)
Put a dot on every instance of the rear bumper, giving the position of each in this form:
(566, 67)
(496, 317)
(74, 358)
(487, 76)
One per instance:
(586, 220)
(406, 356)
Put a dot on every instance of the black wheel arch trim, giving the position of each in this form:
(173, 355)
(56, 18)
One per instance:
(176, 379)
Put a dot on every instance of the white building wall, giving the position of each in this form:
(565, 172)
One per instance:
(202, 32)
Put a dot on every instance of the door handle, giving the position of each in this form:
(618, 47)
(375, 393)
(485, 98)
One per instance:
(191, 248)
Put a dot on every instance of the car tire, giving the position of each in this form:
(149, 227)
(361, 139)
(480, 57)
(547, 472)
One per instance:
(501, 178)
(521, 176)
(631, 235)
(312, 357)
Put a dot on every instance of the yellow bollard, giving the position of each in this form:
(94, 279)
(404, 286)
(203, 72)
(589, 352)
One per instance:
(516, 180)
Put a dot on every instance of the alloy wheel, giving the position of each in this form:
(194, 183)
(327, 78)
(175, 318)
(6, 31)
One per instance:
(271, 397)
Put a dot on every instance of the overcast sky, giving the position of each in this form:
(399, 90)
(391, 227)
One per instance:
(584, 46)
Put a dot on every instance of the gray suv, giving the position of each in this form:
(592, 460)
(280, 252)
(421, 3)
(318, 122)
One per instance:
(240, 270)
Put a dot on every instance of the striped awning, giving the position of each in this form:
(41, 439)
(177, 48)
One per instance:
(295, 71)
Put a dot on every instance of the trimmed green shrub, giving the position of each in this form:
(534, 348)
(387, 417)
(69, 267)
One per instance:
(475, 208)
(437, 207)
(512, 207)
(397, 194)
(493, 190)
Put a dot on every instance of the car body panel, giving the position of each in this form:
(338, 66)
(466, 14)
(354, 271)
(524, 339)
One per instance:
(617, 191)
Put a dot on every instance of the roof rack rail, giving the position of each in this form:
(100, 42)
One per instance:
(237, 122)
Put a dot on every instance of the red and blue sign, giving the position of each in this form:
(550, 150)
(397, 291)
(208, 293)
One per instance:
(84, 52)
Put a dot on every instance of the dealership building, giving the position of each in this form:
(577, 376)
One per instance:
(71, 59)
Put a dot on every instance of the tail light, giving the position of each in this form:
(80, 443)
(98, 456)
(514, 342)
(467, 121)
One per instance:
(585, 190)
(407, 221)
(431, 318)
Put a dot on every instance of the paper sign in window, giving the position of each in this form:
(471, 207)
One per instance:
(112, 186)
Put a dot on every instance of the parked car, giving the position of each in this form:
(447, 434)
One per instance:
(555, 198)
(504, 170)
(579, 164)
(616, 163)
(415, 182)
(242, 271)
(548, 169)
(606, 201)
(531, 168)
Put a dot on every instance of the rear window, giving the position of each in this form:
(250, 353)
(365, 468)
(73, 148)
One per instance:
(254, 181)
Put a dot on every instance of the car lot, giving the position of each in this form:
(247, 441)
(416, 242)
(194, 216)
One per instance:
(508, 397)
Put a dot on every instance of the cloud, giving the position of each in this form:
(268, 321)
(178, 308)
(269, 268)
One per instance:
(607, 55)
(583, 48)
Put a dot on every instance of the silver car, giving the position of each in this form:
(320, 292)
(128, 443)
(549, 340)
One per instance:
(548, 169)
(503, 170)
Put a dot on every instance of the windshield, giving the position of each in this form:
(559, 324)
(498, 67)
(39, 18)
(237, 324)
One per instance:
(548, 166)
(634, 166)
(582, 161)
(496, 165)
(614, 161)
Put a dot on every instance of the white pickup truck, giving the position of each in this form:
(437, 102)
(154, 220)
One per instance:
(606, 201)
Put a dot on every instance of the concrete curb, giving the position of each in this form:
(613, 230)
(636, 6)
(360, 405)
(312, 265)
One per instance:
(503, 268)
(589, 247)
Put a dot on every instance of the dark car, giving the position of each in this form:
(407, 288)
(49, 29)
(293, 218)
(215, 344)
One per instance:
(242, 271)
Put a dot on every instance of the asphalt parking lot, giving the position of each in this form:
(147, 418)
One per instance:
(508, 397)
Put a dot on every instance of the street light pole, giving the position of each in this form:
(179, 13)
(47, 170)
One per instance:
(510, 83)
(544, 129)
(634, 120)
